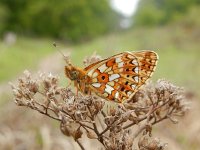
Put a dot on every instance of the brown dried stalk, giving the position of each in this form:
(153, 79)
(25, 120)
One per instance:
(115, 126)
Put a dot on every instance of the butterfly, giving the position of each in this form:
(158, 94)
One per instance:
(116, 78)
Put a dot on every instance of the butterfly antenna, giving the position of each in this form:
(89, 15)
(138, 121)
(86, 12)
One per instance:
(66, 58)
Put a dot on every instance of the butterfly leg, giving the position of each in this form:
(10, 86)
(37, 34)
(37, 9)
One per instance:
(77, 91)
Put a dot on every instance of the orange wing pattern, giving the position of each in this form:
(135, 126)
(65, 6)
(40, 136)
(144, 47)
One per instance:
(117, 78)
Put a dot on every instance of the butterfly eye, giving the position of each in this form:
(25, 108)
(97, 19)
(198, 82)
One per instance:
(74, 75)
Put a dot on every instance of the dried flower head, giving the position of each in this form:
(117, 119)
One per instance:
(115, 127)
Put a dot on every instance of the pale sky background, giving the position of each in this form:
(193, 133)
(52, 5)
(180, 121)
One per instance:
(126, 7)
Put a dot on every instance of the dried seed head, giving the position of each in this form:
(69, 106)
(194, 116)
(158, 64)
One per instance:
(77, 134)
(112, 111)
(91, 135)
(92, 59)
(120, 125)
(150, 143)
(65, 129)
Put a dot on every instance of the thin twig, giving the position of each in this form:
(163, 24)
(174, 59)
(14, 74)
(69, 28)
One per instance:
(79, 143)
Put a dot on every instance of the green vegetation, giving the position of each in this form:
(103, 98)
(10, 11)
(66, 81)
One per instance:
(24, 54)
(66, 19)
(160, 12)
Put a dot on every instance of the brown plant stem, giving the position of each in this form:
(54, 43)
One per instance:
(81, 146)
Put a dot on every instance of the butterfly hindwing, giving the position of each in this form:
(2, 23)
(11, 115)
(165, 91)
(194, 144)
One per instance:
(118, 78)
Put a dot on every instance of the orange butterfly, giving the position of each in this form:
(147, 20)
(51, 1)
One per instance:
(116, 78)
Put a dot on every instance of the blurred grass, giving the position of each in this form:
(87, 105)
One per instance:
(24, 54)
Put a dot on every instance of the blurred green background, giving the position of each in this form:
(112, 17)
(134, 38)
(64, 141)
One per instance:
(28, 28)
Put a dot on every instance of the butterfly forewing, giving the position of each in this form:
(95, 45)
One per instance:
(118, 78)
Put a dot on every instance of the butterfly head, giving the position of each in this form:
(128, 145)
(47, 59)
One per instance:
(71, 72)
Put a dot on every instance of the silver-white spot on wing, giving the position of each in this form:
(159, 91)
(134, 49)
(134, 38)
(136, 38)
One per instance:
(97, 85)
(133, 86)
(95, 74)
(136, 70)
(102, 68)
(135, 62)
(136, 79)
(117, 95)
(129, 93)
(90, 72)
(120, 64)
(113, 77)
(118, 59)
(109, 69)
(109, 89)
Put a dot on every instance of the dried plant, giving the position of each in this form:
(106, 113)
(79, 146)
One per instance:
(116, 126)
